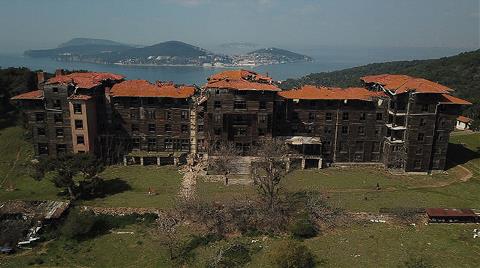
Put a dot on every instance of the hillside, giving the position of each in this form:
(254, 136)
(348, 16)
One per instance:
(460, 72)
(281, 54)
(90, 41)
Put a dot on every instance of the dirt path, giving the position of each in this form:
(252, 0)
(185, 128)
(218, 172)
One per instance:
(191, 172)
(5, 179)
(468, 175)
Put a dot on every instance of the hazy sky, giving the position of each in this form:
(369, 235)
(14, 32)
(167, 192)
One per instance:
(29, 24)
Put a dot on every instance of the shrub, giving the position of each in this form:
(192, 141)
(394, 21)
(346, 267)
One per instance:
(303, 228)
(78, 224)
(290, 254)
(236, 255)
(417, 263)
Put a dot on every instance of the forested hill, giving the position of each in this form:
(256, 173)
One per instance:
(460, 72)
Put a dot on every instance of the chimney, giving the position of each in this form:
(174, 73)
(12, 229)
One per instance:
(58, 72)
(40, 78)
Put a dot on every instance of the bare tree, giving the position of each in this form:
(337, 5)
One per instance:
(270, 168)
(166, 230)
(221, 159)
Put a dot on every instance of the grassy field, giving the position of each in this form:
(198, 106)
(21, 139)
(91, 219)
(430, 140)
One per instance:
(369, 245)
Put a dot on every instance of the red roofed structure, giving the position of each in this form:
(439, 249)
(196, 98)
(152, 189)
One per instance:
(241, 80)
(449, 99)
(398, 84)
(32, 95)
(329, 93)
(143, 88)
(84, 80)
(448, 215)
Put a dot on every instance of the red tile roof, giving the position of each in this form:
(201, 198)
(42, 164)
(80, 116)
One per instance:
(143, 88)
(241, 80)
(449, 99)
(329, 93)
(399, 84)
(450, 212)
(464, 119)
(84, 80)
(32, 95)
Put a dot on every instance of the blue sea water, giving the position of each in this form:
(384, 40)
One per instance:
(326, 59)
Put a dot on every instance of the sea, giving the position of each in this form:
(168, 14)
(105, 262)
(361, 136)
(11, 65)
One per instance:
(326, 59)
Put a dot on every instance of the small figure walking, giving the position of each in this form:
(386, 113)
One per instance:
(378, 186)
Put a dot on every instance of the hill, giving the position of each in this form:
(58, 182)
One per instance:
(90, 41)
(169, 48)
(460, 72)
(280, 54)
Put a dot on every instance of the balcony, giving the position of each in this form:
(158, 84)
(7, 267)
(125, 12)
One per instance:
(395, 127)
(393, 140)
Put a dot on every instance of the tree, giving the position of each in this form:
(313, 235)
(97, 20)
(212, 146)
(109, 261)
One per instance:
(69, 167)
(291, 254)
(166, 229)
(269, 170)
(222, 159)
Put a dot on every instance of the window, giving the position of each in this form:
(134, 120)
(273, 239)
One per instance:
(311, 116)
(328, 116)
(43, 149)
(359, 146)
(240, 131)
(168, 115)
(328, 130)
(441, 137)
(152, 144)
(136, 143)
(168, 143)
(217, 118)
(80, 139)
(240, 105)
(262, 105)
(55, 89)
(418, 164)
(343, 147)
(344, 129)
(135, 128)
(58, 118)
(150, 114)
(262, 118)
(442, 122)
(378, 132)
(425, 108)
(261, 132)
(61, 149)
(134, 114)
(168, 127)
(78, 124)
(363, 116)
(57, 104)
(379, 116)
(376, 147)
(419, 151)
(59, 132)
(421, 136)
(184, 128)
(345, 116)
(201, 128)
(361, 131)
(217, 131)
(40, 131)
(423, 122)
(39, 117)
(184, 115)
(77, 108)
(217, 104)
(152, 128)
(185, 145)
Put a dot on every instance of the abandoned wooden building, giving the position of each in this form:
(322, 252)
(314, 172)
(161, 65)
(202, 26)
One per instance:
(397, 121)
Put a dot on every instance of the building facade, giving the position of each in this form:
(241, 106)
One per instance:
(397, 121)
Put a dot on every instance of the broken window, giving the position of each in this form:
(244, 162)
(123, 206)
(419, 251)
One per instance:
(80, 139)
(59, 132)
(240, 105)
(77, 108)
(78, 124)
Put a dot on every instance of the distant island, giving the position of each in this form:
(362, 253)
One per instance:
(170, 53)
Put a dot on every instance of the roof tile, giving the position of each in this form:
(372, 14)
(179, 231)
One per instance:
(399, 84)
(143, 88)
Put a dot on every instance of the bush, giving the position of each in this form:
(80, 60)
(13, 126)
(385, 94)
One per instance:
(236, 255)
(78, 224)
(290, 254)
(417, 263)
(303, 228)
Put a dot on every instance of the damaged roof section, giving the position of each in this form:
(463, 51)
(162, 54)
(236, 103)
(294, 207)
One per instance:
(143, 88)
(32, 95)
(34, 209)
(85, 80)
(398, 84)
(330, 93)
(241, 80)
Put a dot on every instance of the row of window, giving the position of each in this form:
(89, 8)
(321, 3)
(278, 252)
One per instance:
(345, 116)
(152, 128)
(151, 114)
(240, 105)
(168, 144)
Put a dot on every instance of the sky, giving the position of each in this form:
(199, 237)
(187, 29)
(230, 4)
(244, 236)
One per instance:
(38, 24)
